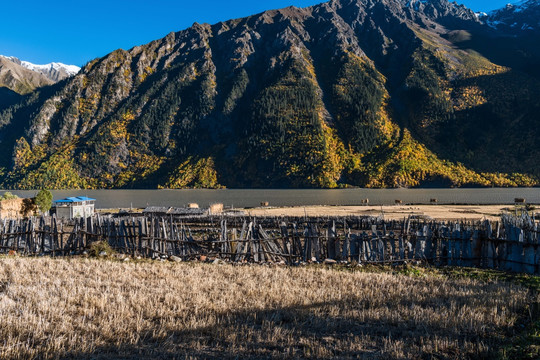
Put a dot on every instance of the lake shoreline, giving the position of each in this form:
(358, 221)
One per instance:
(252, 198)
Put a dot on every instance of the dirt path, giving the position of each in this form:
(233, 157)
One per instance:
(446, 212)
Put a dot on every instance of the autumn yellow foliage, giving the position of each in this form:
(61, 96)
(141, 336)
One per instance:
(193, 173)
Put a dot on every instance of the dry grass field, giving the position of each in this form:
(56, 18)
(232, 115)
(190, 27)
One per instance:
(104, 309)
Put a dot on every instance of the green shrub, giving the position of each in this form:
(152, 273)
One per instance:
(8, 196)
(98, 247)
(44, 200)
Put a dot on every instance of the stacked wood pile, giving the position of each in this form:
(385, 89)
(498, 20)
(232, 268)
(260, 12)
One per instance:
(11, 208)
(510, 244)
(161, 211)
(215, 209)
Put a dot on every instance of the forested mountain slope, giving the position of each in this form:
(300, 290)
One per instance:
(350, 92)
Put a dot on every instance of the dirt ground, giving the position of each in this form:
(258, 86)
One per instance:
(446, 212)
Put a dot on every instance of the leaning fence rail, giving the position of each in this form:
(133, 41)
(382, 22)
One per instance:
(510, 244)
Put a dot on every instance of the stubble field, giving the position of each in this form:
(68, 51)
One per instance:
(103, 309)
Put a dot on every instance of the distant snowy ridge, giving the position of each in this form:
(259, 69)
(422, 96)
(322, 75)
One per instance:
(54, 71)
(520, 16)
(12, 59)
(516, 7)
(54, 66)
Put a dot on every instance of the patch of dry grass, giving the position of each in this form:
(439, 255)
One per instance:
(83, 308)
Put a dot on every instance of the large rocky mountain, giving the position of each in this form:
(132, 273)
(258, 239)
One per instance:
(370, 93)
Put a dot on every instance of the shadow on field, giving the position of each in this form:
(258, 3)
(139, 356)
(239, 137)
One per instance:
(347, 328)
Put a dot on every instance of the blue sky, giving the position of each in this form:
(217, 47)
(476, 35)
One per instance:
(74, 32)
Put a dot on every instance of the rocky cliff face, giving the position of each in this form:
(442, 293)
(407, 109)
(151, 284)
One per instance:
(363, 92)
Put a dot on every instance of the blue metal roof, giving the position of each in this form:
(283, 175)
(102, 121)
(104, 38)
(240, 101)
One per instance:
(84, 198)
(75, 199)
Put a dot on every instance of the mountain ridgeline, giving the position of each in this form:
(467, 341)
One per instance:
(350, 92)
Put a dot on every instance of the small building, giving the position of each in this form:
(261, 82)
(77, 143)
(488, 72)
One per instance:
(74, 207)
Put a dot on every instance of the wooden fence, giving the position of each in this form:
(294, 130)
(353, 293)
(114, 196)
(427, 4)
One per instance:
(509, 244)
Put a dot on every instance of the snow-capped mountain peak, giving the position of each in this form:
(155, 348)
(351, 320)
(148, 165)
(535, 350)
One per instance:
(54, 66)
(481, 15)
(12, 59)
(54, 71)
(519, 16)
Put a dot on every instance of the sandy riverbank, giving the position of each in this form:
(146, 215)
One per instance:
(446, 212)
